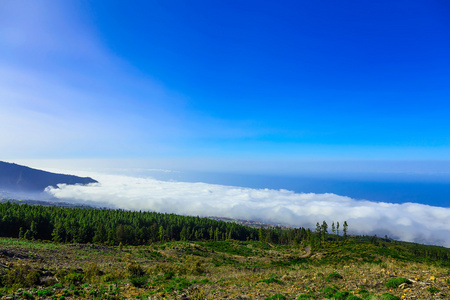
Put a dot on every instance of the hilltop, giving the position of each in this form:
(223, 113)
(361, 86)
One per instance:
(144, 255)
(28, 182)
(17, 178)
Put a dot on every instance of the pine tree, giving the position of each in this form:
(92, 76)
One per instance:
(324, 230)
(33, 230)
(161, 234)
(345, 229)
(121, 234)
(21, 234)
(261, 234)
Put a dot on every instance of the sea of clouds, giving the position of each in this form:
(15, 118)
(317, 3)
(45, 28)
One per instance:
(408, 221)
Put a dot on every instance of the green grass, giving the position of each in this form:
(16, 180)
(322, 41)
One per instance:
(28, 244)
(230, 247)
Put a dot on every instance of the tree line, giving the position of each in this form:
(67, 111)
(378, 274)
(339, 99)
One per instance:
(114, 227)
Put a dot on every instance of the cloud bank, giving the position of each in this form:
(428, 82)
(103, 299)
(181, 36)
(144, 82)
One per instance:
(408, 221)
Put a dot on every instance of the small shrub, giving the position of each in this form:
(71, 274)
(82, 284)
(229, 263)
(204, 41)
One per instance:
(61, 274)
(93, 273)
(197, 293)
(333, 275)
(76, 293)
(44, 293)
(169, 275)
(433, 290)
(134, 269)
(74, 278)
(341, 295)
(276, 297)
(271, 280)
(388, 296)
(21, 275)
(26, 295)
(353, 297)
(395, 282)
(57, 285)
(112, 275)
(33, 278)
(138, 281)
(114, 290)
(328, 291)
(304, 297)
(194, 267)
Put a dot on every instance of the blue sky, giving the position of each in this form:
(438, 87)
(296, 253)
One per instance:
(227, 85)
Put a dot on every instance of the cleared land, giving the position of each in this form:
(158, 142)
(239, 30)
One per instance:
(351, 269)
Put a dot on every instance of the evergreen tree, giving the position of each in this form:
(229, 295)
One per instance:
(345, 229)
(324, 230)
(337, 231)
(161, 234)
(318, 229)
(261, 234)
(33, 230)
(121, 234)
(21, 234)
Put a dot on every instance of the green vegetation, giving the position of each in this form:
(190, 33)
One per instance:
(433, 290)
(252, 264)
(271, 280)
(276, 297)
(396, 282)
(388, 296)
(334, 275)
(119, 227)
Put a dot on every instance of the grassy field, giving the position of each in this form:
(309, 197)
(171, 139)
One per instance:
(354, 269)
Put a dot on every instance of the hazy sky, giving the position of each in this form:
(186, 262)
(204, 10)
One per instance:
(211, 83)
(234, 86)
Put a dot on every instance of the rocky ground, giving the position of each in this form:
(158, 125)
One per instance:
(221, 270)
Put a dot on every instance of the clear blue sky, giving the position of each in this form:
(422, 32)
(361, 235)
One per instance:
(208, 83)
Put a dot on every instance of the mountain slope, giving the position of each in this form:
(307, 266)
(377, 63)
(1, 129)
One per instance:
(19, 178)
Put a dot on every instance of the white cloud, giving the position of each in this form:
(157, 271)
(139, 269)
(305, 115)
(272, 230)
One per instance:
(408, 221)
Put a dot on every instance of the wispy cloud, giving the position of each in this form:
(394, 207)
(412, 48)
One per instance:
(408, 221)
(64, 93)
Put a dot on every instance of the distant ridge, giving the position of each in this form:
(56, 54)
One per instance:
(19, 178)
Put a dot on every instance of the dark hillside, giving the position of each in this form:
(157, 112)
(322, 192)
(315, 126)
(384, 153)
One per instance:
(19, 178)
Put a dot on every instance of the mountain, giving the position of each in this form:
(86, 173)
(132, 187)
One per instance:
(19, 178)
